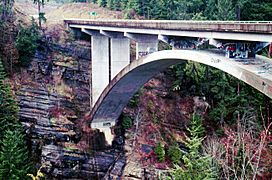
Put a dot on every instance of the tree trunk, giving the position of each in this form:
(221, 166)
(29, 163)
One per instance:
(238, 13)
(39, 12)
(4, 16)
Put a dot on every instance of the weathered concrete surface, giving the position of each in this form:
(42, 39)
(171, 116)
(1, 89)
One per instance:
(120, 55)
(119, 51)
(100, 65)
(117, 94)
(145, 44)
(249, 31)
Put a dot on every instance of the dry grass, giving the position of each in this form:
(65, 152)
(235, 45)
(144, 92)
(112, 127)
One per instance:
(56, 13)
(82, 10)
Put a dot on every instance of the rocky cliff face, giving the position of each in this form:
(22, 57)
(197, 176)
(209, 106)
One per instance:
(73, 163)
(54, 101)
(54, 98)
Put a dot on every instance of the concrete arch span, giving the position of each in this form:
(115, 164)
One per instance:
(117, 94)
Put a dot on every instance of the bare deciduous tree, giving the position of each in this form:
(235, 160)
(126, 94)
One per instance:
(243, 153)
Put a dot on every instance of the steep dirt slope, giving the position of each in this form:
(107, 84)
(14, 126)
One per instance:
(56, 13)
(82, 10)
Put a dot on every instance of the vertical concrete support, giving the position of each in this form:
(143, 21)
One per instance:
(100, 77)
(145, 44)
(119, 51)
(120, 55)
(100, 65)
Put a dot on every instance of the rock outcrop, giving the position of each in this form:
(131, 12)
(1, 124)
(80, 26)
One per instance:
(37, 115)
(73, 163)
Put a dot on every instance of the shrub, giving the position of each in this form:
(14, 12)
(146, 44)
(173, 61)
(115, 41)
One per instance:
(196, 166)
(175, 154)
(13, 156)
(127, 122)
(160, 152)
(134, 101)
(26, 43)
(8, 106)
(243, 153)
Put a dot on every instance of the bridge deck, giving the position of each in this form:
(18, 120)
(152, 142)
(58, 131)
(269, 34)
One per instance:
(219, 26)
(228, 30)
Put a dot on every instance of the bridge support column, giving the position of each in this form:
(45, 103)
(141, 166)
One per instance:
(100, 66)
(145, 44)
(120, 55)
(100, 76)
(119, 51)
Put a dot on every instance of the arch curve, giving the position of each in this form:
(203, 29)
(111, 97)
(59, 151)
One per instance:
(120, 90)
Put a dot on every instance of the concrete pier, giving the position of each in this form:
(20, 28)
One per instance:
(100, 65)
(120, 55)
(119, 51)
(145, 44)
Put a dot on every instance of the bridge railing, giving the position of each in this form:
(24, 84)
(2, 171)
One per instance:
(172, 21)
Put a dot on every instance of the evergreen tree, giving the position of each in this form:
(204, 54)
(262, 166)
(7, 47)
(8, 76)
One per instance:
(110, 4)
(117, 5)
(8, 106)
(152, 9)
(160, 152)
(197, 166)
(6, 9)
(174, 153)
(210, 10)
(172, 10)
(13, 152)
(41, 15)
(225, 10)
(134, 5)
(13, 156)
(26, 43)
(257, 10)
(239, 5)
(8, 52)
(123, 4)
(102, 3)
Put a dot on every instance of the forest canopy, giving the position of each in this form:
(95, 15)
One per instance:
(253, 10)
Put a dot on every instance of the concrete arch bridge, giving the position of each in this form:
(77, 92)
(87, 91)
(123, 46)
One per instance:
(115, 78)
